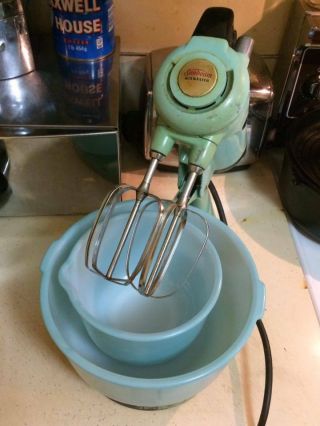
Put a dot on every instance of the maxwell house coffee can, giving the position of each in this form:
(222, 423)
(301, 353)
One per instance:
(83, 29)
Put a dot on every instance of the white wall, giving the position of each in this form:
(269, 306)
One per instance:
(144, 25)
(147, 24)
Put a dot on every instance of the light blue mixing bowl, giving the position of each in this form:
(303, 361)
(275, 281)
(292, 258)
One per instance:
(227, 328)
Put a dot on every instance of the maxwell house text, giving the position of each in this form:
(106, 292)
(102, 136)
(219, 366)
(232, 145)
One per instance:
(77, 26)
(83, 29)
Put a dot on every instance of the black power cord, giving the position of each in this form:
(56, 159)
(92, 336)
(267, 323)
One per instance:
(269, 374)
(262, 331)
(218, 203)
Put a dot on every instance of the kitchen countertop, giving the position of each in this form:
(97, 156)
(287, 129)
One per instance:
(39, 387)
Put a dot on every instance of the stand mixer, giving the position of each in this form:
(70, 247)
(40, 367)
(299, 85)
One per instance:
(201, 95)
(147, 353)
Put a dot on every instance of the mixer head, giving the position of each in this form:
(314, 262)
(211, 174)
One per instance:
(201, 95)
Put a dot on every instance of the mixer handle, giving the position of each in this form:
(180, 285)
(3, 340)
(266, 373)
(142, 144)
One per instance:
(217, 22)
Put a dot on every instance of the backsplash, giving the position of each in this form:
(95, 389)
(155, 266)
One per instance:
(144, 25)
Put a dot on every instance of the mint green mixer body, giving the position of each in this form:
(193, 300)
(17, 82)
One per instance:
(201, 95)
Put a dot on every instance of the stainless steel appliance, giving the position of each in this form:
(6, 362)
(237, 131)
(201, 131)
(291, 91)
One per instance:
(297, 72)
(261, 98)
(59, 135)
(299, 182)
(16, 56)
(296, 117)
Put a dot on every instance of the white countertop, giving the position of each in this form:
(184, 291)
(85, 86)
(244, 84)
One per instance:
(309, 255)
(38, 386)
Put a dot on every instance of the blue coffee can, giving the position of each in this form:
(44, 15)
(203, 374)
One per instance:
(83, 29)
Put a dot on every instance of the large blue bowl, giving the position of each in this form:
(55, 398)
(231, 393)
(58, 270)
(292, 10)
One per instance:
(228, 327)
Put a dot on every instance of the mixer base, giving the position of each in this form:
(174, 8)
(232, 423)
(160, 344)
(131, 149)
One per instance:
(142, 408)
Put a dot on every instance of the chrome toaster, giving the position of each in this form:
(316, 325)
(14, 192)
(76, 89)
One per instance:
(59, 135)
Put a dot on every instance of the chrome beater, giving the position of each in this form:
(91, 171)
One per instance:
(163, 238)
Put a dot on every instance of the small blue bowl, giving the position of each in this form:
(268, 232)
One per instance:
(144, 330)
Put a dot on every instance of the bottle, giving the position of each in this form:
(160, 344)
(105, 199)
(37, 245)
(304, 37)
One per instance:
(83, 29)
